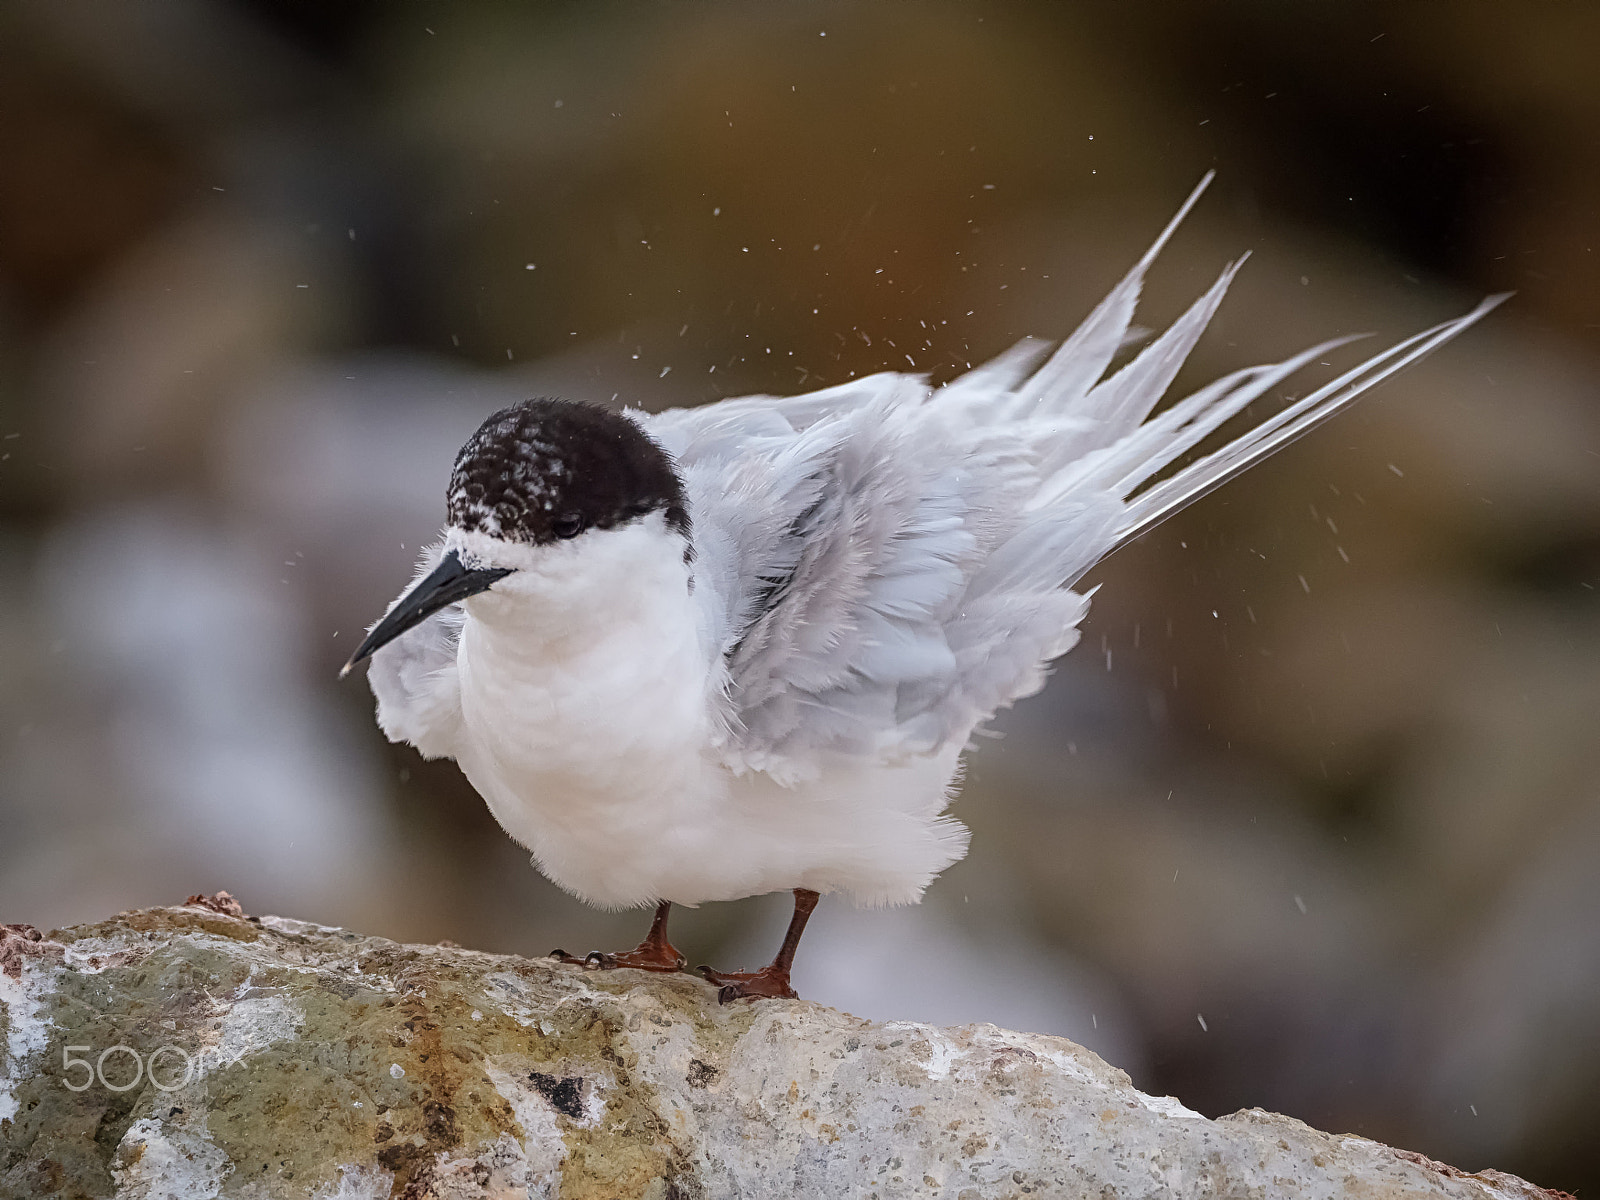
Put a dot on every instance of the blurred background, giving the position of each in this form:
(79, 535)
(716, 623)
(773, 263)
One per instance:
(1311, 818)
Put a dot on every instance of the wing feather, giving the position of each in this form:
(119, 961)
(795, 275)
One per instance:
(881, 566)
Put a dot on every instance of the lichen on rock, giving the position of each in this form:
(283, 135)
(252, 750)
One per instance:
(195, 1052)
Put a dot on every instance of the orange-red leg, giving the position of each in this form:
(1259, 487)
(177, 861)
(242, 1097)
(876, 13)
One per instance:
(771, 982)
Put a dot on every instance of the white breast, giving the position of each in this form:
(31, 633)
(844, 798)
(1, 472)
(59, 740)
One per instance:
(583, 706)
(586, 724)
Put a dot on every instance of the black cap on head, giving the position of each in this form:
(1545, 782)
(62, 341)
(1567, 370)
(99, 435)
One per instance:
(545, 470)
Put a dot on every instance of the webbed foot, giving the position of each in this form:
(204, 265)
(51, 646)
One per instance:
(655, 953)
(769, 983)
(665, 959)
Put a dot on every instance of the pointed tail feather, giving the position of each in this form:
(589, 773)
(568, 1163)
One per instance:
(1075, 368)
(1116, 406)
(1173, 433)
(1155, 505)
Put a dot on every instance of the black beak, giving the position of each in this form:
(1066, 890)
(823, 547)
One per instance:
(448, 584)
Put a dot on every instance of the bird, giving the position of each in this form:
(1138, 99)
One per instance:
(741, 648)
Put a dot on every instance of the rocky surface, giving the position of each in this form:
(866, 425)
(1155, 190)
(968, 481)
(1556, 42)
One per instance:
(196, 1052)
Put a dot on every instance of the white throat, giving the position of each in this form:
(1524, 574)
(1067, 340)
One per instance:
(576, 589)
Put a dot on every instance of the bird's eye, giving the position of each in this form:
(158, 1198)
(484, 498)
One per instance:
(567, 525)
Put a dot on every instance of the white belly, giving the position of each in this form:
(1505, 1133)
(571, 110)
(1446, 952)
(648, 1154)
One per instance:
(588, 753)
(588, 730)
(875, 836)
(608, 778)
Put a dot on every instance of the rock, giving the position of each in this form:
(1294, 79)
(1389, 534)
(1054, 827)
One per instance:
(195, 1052)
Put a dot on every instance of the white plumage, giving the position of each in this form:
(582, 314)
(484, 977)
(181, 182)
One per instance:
(876, 569)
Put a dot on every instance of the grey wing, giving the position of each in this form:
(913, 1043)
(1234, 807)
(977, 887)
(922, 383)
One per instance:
(846, 564)
(414, 677)
(882, 566)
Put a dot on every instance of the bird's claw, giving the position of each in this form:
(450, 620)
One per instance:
(765, 984)
(595, 960)
(638, 960)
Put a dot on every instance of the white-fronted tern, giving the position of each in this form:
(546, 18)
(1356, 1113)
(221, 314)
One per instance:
(735, 649)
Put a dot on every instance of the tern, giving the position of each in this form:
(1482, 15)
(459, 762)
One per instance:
(717, 652)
